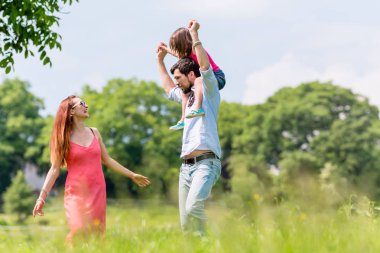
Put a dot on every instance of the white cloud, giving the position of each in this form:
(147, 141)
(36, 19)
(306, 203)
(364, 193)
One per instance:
(346, 54)
(290, 71)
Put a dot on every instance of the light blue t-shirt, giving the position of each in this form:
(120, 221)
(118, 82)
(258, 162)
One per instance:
(201, 133)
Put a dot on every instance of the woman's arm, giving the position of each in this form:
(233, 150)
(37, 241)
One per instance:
(138, 179)
(50, 179)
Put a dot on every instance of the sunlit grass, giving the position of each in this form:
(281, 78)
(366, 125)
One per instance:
(145, 227)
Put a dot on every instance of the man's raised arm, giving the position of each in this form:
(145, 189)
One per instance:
(166, 81)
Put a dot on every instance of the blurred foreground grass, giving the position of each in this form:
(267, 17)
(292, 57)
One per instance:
(149, 226)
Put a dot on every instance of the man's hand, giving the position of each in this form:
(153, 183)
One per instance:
(162, 51)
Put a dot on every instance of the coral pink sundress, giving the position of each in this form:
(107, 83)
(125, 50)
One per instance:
(85, 189)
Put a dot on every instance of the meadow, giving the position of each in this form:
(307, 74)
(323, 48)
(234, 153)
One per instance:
(153, 226)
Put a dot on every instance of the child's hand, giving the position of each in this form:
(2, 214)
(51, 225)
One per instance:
(165, 48)
(193, 25)
(140, 180)
(173, 53)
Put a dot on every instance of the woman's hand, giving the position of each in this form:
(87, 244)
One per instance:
(38, 207)
(140, 180)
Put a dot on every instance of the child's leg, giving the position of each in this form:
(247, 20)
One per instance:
(221, 78)
(197, 110)
(180, 124)
(185, 98)
(198, 94)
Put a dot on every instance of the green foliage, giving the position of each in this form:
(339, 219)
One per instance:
(297, 164)
(19, 198)
(300, 130)
(293, 117)
(250, 181)
(41, 149)
(28, 23)
(20, 126)
(231, 121)
(350, 145)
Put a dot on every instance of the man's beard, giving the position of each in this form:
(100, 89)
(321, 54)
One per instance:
(186, 91)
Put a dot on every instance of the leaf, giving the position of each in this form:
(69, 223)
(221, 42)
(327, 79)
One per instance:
(6, 46)
(42, 56)
(29, 23)
(7, 70)
(3, 63)
(46, 61)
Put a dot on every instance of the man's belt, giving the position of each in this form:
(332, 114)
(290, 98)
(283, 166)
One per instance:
(201, 157)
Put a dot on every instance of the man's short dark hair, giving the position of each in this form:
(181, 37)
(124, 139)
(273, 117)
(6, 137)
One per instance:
(185, 66)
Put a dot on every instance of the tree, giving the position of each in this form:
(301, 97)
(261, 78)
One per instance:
(40, 151)
(353, 148)
(230, 125)
(25, 23)
(293, 117)
(300, 130)
(19, 198)
(20, 125)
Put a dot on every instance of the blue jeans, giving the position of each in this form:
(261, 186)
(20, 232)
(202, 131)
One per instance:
(195, 184)
(221, 78)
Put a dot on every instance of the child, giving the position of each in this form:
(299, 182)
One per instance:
(181, 46)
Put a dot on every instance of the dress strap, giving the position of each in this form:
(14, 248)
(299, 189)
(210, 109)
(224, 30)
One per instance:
(92, 131)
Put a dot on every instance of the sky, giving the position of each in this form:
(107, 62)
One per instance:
(261, 45)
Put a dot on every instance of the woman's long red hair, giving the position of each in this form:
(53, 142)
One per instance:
(60, 136)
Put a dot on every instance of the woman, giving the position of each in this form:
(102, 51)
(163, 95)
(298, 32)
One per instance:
(82, 150)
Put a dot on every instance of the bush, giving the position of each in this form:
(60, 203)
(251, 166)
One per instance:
(19, 198)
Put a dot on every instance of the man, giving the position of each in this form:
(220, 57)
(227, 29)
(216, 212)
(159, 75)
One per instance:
(201, 150)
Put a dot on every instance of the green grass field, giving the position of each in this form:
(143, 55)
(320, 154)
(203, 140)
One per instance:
(148, 226)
